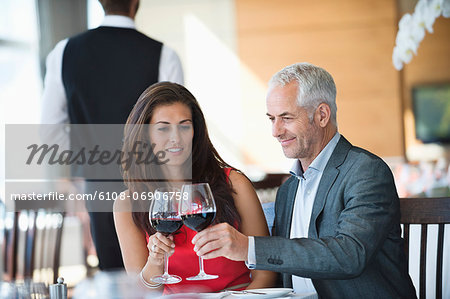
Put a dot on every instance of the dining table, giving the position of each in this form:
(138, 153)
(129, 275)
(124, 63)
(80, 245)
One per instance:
(119, 285)
(275, 293)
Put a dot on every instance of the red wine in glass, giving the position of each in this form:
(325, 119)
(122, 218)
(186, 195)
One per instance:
(198, 221)
(166, 226)
(198, 209)
(165, 218)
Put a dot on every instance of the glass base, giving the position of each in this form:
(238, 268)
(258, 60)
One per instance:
(166, 279)
(203, 276)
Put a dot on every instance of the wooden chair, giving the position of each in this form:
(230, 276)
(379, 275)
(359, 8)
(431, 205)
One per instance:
(31, 240)
(266, 189)
(271, 180)
(426, 211)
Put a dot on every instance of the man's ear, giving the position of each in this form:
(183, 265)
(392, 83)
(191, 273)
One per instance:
(134, 6)
(323, 114)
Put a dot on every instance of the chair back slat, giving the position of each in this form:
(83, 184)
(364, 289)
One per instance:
(20, 257)
(423, 262)
(11, 245)
(406, 238)
(56, 259)
(440, 254)
(426, 211)
(30, 242)
(270, 180)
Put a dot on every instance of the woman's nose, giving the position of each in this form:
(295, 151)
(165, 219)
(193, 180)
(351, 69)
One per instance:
(175, 134)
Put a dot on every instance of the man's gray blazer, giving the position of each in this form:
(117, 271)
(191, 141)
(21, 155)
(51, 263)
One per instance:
(354, 248)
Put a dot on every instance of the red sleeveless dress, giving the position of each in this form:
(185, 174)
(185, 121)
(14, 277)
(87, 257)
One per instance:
(185, 263)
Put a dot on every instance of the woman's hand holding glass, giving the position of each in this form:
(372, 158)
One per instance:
(165, 219)
(158, 245)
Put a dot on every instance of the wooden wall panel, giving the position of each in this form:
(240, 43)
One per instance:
(352, 39)
(281, 15)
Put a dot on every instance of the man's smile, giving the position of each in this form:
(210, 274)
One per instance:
(286, 142)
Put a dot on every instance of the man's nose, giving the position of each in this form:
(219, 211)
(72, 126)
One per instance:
(277, 128)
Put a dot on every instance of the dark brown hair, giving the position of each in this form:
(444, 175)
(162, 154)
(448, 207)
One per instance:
(207, 165)
(116, 6)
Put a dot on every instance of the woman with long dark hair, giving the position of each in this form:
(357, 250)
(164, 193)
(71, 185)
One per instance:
(169, 118)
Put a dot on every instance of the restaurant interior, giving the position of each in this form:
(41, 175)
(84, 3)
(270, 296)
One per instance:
(396, 106)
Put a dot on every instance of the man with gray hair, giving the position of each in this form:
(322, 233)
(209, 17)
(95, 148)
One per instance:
(337, 219)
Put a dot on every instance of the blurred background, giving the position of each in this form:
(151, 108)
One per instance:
(229, 49)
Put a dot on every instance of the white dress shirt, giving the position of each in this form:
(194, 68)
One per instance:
(303, 205)
(54, 100)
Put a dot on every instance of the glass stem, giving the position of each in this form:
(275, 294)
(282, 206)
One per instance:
(200, 263)
(166, 265)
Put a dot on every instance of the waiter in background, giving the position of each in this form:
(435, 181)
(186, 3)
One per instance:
(95, 78)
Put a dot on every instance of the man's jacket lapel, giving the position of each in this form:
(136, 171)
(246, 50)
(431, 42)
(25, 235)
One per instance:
(329, 176)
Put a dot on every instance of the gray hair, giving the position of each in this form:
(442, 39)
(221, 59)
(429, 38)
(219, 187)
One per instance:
(315, 86)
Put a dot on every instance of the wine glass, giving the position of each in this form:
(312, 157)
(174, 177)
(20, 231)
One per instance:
(198, 210)
(164, 218)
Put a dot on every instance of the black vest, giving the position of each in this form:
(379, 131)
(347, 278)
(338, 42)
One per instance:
(104, 72)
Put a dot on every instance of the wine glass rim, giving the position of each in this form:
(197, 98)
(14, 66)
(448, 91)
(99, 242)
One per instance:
(168, 189)
(196, 184)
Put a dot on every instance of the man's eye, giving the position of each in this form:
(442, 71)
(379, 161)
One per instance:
(287, 118)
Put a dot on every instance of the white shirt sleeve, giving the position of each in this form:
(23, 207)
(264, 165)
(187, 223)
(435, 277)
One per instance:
(170, 68)
(251, 256)
(54, 100)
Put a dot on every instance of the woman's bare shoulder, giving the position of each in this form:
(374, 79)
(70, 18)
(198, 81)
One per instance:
(240, 182)
(122, 202)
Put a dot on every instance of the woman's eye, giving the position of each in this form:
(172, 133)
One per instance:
(186, 127)
(163, 129)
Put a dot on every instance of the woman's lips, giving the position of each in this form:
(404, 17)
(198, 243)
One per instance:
(287, 142)
(175, 150)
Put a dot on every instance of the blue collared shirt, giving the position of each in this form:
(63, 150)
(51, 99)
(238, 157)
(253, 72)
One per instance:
(304, 201)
